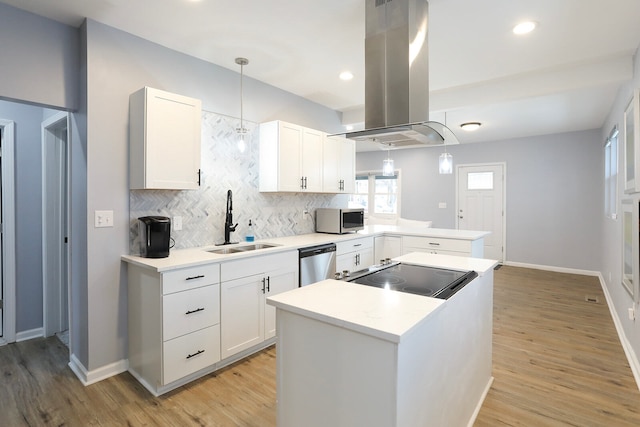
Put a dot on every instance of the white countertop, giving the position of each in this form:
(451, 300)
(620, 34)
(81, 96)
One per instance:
(181, 258)
(385, 314)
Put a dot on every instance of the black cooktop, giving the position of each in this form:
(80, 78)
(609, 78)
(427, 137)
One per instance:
(415, 279)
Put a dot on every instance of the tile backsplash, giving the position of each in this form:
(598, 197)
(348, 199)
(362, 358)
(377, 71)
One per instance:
(225, 168)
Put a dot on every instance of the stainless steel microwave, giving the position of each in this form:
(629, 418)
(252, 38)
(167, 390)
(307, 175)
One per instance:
(339, 221)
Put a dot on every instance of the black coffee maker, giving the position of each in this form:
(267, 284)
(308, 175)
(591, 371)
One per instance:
(155, 233)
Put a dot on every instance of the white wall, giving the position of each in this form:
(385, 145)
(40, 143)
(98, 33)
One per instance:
(554, 193)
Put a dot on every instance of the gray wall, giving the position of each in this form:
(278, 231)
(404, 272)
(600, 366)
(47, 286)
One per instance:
(554, 193)
(28, 211)
(117, 65)
(611, 229)
(40, 59)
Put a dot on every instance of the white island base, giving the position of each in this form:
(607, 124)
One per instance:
(351, 355)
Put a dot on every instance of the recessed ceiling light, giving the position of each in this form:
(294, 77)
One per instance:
(346, 75)
(524, 27)
(470, 126)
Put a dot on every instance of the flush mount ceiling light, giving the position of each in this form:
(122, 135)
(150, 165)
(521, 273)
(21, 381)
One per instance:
(346, 75)
(242, 132)
(471, 126)
(524, 27)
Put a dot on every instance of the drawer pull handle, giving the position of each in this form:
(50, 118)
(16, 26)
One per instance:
(195, 311)
(434, 244)
(357, 244)
(195, 354)
(200, 276)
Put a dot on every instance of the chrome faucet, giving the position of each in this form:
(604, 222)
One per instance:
(228, 227)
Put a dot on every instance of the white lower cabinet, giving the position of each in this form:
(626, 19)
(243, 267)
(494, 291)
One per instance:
(174, 324)
(246, 320)
(387, 247)
(354, 255)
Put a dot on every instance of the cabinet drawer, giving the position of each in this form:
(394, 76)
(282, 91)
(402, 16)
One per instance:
(258, 264)
(354, 245)
(436, 244)
(188, 311)
(190, 353)
(190, 278)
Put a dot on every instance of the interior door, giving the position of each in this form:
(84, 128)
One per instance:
(480, 204)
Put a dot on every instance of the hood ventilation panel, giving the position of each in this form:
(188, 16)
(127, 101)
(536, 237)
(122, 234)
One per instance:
(397, 77)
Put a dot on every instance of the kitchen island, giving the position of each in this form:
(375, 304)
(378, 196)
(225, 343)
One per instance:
(352, 355)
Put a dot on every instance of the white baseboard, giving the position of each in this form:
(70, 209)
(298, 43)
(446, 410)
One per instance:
(90, 377)
(30, 334)
(472, 421)
(552, 268)
(626, 345)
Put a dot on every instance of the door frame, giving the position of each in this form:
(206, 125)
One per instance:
(8, 232)
(51, 308)
(503, 165)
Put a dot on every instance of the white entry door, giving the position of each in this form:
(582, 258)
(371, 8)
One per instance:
(480, 204)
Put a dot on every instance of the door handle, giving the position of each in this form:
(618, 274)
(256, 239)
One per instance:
(264, 284)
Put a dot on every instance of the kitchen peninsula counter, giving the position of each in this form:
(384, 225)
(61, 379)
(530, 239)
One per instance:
(350, 354)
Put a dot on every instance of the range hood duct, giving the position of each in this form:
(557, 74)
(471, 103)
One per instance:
(397, 77)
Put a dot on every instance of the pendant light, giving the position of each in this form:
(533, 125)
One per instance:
(387, 165)
(242, 132)
(445, 162)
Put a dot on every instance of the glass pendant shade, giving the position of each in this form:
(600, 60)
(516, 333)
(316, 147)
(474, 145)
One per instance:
(387, 167)
(445, 163)
(242, 145)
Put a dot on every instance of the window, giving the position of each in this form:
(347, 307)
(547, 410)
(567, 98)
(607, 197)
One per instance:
(377, 194)
(611, 174)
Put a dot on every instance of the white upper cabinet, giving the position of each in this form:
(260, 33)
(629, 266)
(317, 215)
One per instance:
(164, 140)
(339, 159)
(290, 158)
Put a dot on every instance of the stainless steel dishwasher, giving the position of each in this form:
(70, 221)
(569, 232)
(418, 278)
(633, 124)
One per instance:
(317, 263)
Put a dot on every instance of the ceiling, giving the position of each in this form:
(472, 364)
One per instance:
(562, 77)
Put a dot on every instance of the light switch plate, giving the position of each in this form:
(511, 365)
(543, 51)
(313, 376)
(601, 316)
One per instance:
(442, 205)
(103, 219)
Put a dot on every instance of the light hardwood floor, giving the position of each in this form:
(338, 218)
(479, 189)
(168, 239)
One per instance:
(557, 362)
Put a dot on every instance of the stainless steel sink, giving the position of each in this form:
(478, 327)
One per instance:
(243, 248)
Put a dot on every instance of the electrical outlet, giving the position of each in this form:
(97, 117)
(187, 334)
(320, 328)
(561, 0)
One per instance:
(305, 214)
(103, 219)
(632, 313)
(177, 223)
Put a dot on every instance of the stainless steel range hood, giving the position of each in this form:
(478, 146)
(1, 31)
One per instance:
(397, 77)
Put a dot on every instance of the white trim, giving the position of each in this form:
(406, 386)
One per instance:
(8, 232)
(472, 420)
(626, 345)
(90, 377)
(30, 334)
(50, 123)
(552, 268)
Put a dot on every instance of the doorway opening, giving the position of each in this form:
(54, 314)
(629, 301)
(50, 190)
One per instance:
(8, 235)
(481, 203)
(55, 226)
